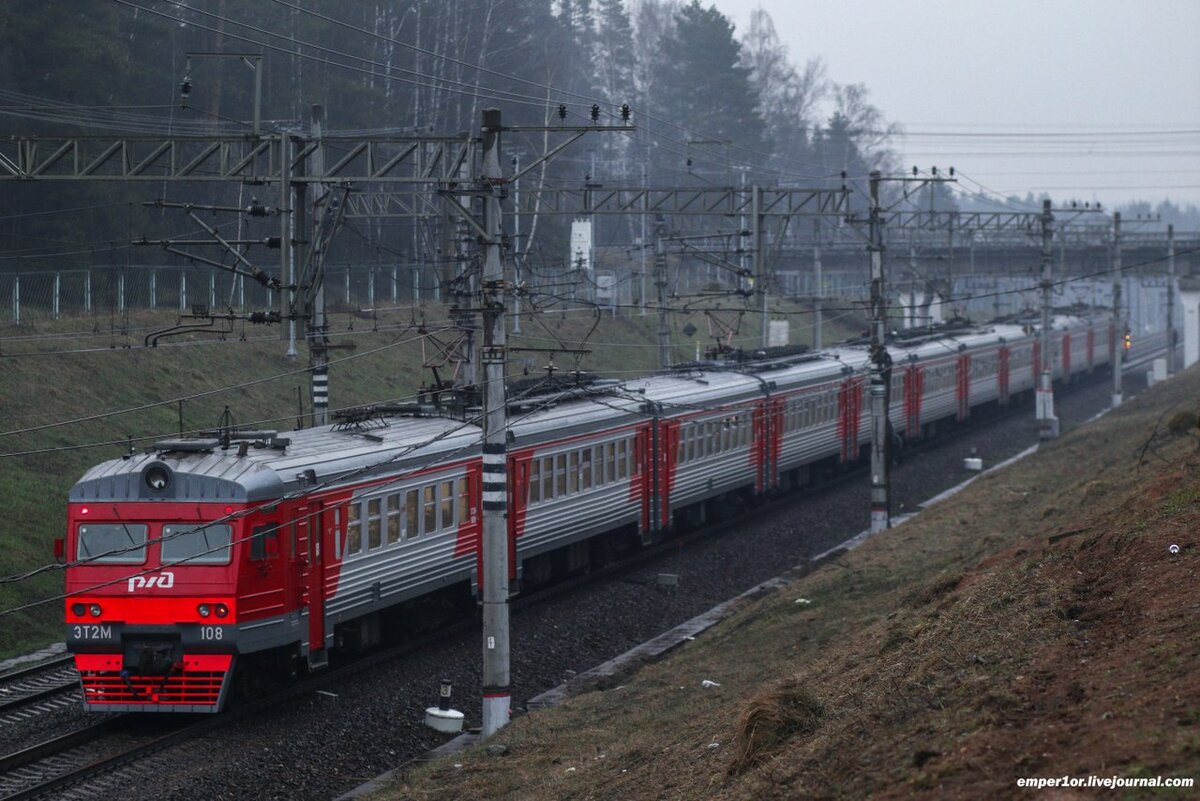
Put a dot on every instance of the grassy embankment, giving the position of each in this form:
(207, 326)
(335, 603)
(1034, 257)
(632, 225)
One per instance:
(114, 372)
(1036, 624)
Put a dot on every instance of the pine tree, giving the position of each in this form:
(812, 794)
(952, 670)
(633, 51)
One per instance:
(706, 86)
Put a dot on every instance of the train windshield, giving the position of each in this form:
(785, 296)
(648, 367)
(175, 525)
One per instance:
(113, 543)
(205, 545)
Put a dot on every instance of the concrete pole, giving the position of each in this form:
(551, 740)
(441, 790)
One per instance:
(496, 691)
(16, 299)
(316, 328)
(516, 165)
(287, 275)
(660, 283)
(87, 291)
(880, 372)
(642, 268)
(1119, 345)
(760, 261)
(57, 287)
(819, 289)
(911, 311)
(1047, 420)
(1170, 299)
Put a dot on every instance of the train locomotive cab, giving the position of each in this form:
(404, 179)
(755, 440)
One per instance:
(156, 577)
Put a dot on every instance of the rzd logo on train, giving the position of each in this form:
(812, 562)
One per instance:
(165, 580)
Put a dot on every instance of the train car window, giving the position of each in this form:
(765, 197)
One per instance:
(353, 529)
(207, 545)
(258, 541)
(560, 475)
(337, 533)
(431, 510)
(681, 448)
(535, 481)
(393, 519)
(464, 500)
(412, 515)
(547, 478)
(610, 462)
(714, 437)
(374, 524)
(573, 472)
(113, 543)
(446, 496)
(585, 469)
(622, 459)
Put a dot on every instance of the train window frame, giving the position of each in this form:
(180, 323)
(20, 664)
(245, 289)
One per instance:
(534, 490)
(447, 504)
(585, 469)
(548, 482)
(429, 509)
(560, 475)
(610, 462)
(622, 459)
(123, 557)
(259, 535)
(572, 472)
(175, 538)
(374, 538)
(463, 486)
(412, 514)
(392, 511)
(354, 533)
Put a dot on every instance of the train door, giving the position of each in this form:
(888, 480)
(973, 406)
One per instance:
(317, 517)
(1002, 375)
(914, 386)
(963, 386)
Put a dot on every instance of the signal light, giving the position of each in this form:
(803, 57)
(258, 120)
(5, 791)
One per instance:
(624, 112)
(78, 610)
(595, 112)
(222, 610)
(562, 111)
(203, 610)
(1128, 341)
(228, 510)
(84, 510)
(95, 610)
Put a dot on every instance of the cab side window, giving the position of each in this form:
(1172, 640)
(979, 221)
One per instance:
(259, 551)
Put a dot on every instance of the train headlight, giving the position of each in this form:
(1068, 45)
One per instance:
(203, 610)
(78, 610)
(95, 610)
(157, 477)
(222, 610)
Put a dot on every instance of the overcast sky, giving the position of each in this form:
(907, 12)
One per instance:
(1093, 68)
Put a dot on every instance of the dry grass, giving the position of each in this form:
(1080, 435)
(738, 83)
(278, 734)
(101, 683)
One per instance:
(771, 719)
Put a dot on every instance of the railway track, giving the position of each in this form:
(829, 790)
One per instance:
(37, 689)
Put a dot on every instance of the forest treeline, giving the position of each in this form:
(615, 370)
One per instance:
(711, 104)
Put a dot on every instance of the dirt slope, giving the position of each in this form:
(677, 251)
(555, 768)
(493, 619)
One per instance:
(1037, 624)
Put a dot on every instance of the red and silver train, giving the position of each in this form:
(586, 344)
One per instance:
(268, 552)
